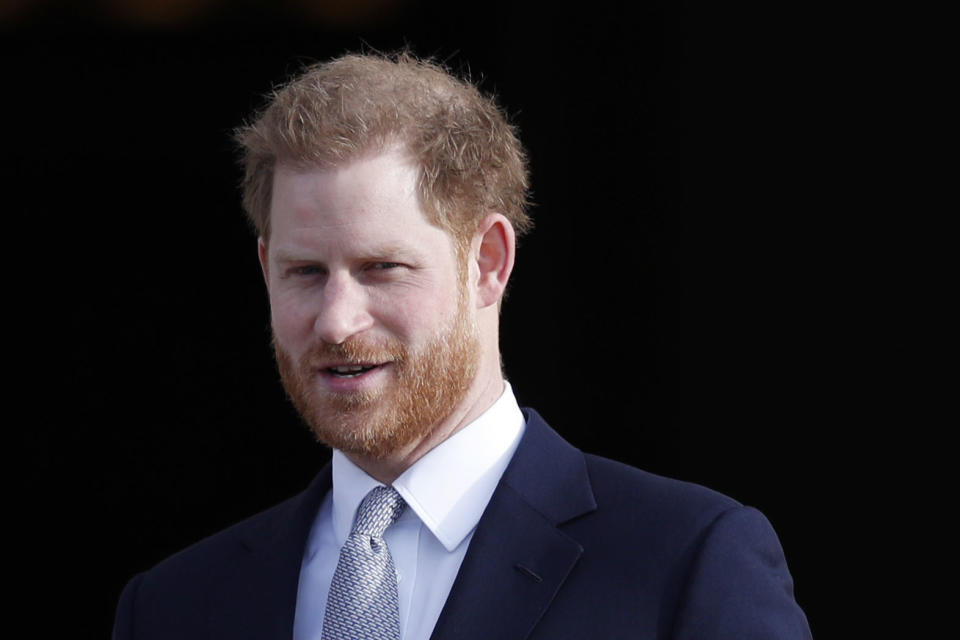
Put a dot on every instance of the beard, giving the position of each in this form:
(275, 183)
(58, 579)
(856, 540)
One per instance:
(425, 389)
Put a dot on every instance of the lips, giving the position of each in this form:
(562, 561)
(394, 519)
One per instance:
(349, 370)
(352, 377)
(353, 365)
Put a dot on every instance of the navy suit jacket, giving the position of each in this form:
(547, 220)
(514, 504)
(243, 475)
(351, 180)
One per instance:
(570, 546)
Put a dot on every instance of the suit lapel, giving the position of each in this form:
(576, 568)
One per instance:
(519, 559)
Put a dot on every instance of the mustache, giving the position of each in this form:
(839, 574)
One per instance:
(353, 350)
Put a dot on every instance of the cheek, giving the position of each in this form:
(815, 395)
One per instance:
(291, 318)
(419, 316)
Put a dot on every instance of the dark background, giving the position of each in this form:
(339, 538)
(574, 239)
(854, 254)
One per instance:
(681, 304)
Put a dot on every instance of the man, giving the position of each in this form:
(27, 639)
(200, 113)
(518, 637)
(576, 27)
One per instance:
(387, 196)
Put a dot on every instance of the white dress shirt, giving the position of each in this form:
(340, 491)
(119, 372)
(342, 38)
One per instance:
(446, 492)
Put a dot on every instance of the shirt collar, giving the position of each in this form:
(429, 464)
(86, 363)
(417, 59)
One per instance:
(450, 486)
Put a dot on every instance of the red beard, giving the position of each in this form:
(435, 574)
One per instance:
(425, 389)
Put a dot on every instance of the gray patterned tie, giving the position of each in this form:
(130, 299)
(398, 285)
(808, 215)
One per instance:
(363, 602)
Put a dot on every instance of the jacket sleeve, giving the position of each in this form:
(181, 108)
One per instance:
(739, 585)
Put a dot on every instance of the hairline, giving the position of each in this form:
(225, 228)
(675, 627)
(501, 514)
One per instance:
(461, 238)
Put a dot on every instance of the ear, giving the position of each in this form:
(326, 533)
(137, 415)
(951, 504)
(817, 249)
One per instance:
(264, 265)
(494, 248)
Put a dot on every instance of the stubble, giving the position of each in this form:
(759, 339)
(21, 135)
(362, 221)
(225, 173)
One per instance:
(425, 388)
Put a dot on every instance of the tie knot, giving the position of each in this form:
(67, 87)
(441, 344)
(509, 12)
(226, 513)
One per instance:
(379, 509)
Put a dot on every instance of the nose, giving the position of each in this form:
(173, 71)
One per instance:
(343, 310)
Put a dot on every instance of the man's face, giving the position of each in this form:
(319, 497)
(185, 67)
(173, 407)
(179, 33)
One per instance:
(374, 332)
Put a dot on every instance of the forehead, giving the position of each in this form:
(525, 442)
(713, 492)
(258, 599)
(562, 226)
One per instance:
(366, 185)
(373, 199)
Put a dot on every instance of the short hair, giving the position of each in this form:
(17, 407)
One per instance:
(470, 160)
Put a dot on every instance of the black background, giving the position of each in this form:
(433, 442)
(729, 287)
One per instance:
(681, 304)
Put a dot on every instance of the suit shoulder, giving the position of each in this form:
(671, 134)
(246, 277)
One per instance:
(289, 518)
(609, 490)
(669, 501)
(226, 543)
(221, 580)
(608, 474)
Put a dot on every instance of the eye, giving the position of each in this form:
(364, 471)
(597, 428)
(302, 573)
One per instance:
(307, 270)
(383, 266)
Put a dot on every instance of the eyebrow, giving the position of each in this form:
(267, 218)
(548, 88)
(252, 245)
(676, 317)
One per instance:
(392, 252)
